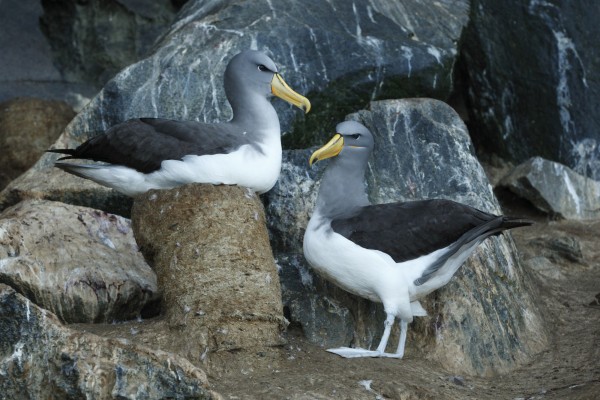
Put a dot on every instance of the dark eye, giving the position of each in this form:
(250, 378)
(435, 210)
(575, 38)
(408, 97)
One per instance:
(355, 136)
(262, 68)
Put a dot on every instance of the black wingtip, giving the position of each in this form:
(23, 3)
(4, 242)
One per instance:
(511, 222)
(70, 153)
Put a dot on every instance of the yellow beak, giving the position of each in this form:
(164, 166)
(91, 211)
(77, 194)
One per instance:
(331, 149)
(281, 89)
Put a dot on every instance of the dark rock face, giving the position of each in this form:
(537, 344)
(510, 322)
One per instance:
(390, 50)
(41, 358)
(27, 64)
(93, 40)
(28, 126)
(210, 249)
(484, 320)
(534, 80)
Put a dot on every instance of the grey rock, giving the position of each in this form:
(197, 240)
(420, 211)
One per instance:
(485, 317)
(533, 82)
(544, 266)
(55, 185)
(28, 126)
(390, 50)
(41, 358)
(79, 263)
(555, 189)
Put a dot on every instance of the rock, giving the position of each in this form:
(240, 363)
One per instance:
(209, 247)
(27, 64)
(93, 40)
(56, 185)
(40, 357)
(485, 320)
(390, 50)
(596, 301)
(544, 104)
(544, 266)
(555, 189)
(79, 263)
(28, 126)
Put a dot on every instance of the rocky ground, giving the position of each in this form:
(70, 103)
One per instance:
(564, 260)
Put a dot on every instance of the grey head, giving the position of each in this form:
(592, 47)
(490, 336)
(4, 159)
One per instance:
(352, 143)
(252, 73)
(342, 190)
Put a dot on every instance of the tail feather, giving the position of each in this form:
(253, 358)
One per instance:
(77, 169)
(70, 153)
(515, 222)
(491, 228)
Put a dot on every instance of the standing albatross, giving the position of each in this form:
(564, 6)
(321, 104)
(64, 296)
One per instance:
(392, 253)
(153, 153)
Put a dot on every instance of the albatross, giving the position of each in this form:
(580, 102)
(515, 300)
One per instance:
(154, 153)
(394, 253)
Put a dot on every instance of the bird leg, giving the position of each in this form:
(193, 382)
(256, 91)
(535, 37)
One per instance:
(348, 352)
(402, 341)
(389, 321)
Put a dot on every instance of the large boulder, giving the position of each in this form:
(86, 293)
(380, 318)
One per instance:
(534, 80)
(485, 320)
(210, 249)
(81, 264)
(555, 189)
(28, 126)
(41, 358)
(390, 50)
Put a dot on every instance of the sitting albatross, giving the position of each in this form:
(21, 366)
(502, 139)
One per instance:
(392, 253)
(153, 153)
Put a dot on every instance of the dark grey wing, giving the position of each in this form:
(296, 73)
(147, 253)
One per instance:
(409, 230)
(144, 143)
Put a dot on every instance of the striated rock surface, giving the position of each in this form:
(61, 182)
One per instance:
(28, 126)
(41, 358)
(555, 189)
(390, 50)
(81, 264)
(485, 320)
(210, 249)
(533, 88)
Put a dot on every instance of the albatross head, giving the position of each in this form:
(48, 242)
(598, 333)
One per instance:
(253, 71)
(352, 140)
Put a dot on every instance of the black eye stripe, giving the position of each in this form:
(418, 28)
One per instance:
(262, 68)
(355, 136)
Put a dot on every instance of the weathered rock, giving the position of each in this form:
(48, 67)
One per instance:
(390, 50)
(27, 63)
(41, 358)
(210, 249)
(484, 321)
(28, 126)
(555, 189)
(79, 263)
(544, 104)
(56, 185)
(93, 40)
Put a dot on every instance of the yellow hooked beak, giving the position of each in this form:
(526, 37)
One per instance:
(281, 89)
(331, 149)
